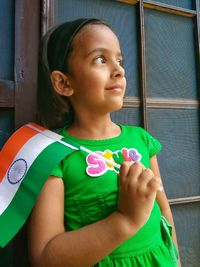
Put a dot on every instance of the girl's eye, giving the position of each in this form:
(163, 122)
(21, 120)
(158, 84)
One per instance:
(120, 61)
(100, 60)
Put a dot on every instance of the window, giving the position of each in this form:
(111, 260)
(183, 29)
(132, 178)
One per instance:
(160, 43)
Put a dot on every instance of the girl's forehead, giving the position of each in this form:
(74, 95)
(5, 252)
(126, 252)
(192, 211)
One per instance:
(93, 34)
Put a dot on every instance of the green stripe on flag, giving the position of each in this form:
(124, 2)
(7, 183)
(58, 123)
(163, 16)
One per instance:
(13, 218)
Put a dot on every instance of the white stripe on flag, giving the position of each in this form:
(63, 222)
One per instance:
(21, 164)
(53, 135)
(48, 133)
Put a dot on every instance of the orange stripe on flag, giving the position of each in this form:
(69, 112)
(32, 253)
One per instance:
(39, 127)
(13, 145)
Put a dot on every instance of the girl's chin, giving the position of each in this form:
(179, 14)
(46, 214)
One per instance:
(116, 106)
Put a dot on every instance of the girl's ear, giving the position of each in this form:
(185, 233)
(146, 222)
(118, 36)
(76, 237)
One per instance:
(61, 83)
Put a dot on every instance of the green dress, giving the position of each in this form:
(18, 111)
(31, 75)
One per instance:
(91, 194)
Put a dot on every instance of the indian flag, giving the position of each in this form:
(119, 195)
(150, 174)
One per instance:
(26, 160)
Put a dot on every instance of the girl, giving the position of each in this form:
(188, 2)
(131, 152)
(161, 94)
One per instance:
(88, 214)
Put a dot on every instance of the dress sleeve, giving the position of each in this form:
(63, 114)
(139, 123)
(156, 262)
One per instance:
(153, 145)
(57, 171)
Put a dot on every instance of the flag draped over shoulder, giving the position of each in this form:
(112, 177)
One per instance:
(26, 160)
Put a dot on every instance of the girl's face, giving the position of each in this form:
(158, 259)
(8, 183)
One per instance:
(96, 74)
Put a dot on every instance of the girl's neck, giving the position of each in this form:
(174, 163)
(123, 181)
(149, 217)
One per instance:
(94, 128)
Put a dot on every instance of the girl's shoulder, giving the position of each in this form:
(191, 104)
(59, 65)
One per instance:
(138, 133)
(135, 130)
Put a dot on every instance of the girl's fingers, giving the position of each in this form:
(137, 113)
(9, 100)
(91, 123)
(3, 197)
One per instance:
(138, 189)
(146, 175)
(130, 172)
(154, 184)
(135, 171)
(160, 188)
(144, 178)
(135, 174)
(124, 170)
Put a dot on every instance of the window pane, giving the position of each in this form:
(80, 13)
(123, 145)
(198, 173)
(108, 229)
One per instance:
(187, 221)
(6, 40)
(6, 124)
(121, 17)
(128, 116)
(170, 56)
(178, 131)
(179, 3)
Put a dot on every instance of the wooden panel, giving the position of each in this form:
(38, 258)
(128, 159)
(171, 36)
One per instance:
(143, 68)
(27, 32)
(184, 200)
(7, 94)
(6, 40)
(169, 9)
(172, 103)
(27, 36)
(187, 4)
(198, 41)
(128, 1)
(47, 15)
(6, 124)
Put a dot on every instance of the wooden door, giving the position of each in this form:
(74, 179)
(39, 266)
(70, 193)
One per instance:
(20, 33)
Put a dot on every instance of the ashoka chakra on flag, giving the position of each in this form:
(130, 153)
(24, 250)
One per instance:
(17, 171)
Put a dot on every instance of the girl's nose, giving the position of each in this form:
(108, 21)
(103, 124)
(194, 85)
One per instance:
(118, 71)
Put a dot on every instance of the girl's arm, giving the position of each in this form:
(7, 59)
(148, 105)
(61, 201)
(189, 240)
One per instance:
(50, 245)
(163, 202)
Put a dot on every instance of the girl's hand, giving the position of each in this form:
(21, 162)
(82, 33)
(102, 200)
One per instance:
(137, 191)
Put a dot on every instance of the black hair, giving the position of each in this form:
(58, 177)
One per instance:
(54, 110)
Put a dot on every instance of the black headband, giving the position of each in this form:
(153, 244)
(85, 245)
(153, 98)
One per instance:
(58, 41)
